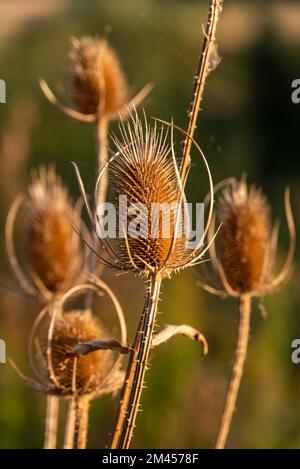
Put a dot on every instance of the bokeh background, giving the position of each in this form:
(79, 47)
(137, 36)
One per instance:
(248, 125)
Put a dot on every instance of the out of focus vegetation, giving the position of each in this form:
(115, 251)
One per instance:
(248, 125)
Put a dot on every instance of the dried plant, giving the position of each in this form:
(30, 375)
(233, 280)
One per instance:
(54, 256)
(62, 372)
(15, 147)
(99, 91)
(208, 61)
(244, 253)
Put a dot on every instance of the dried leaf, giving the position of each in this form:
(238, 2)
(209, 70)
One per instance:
(85, 348)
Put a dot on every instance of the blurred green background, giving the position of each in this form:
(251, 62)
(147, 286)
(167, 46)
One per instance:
(248, 125)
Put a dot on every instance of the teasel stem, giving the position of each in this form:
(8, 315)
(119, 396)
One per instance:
(52, 411)
(208, 60)
(77, 423)
(134, 380)
(102, 152)
(237, 370)
(51, 422)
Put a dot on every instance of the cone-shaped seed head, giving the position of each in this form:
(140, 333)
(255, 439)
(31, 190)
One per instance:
(244, 240)
(98, 82)
(144, 172)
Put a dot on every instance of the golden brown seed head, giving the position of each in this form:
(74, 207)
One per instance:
(144, 172)
(82, 374)
(53, 250)
(243, 244)
(98, 82)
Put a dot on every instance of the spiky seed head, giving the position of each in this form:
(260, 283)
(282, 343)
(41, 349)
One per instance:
(82, 374)
(243, 243)
(52, 248)
(98, 81)
(144, 172)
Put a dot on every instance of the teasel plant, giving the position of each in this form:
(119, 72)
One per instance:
(61, 372)
(50, 259)
(209, 60)
(243, 255)
(143, 169)
(140, 169)
(99, 92)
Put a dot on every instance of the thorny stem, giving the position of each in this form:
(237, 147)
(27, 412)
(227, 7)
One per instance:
(207, 61)
(51, 422)
(52, 414)
(237, 370)
(82, 405)
(134, 381)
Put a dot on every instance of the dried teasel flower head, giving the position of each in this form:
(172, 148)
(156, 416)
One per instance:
(53, 254)
(245, 248)
(244, 239)
(98, 81)
(151, 234)
(99, 88)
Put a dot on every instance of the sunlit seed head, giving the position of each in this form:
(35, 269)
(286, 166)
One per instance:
(98, 81)
(52, 248)
(83, 374)
(243, 242)
(144, 172)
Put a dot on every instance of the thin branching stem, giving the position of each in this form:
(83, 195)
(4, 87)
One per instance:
(77, 422)
(237, 370)
(207, 61)
(51, 422)
(134, 381)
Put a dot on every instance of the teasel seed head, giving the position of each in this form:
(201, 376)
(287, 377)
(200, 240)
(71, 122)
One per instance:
(98, 81)
(54, 256)
(77, 374)
(244, 239)
(245, 248)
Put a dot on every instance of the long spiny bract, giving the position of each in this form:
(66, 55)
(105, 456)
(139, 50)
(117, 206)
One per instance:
(144, 172)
